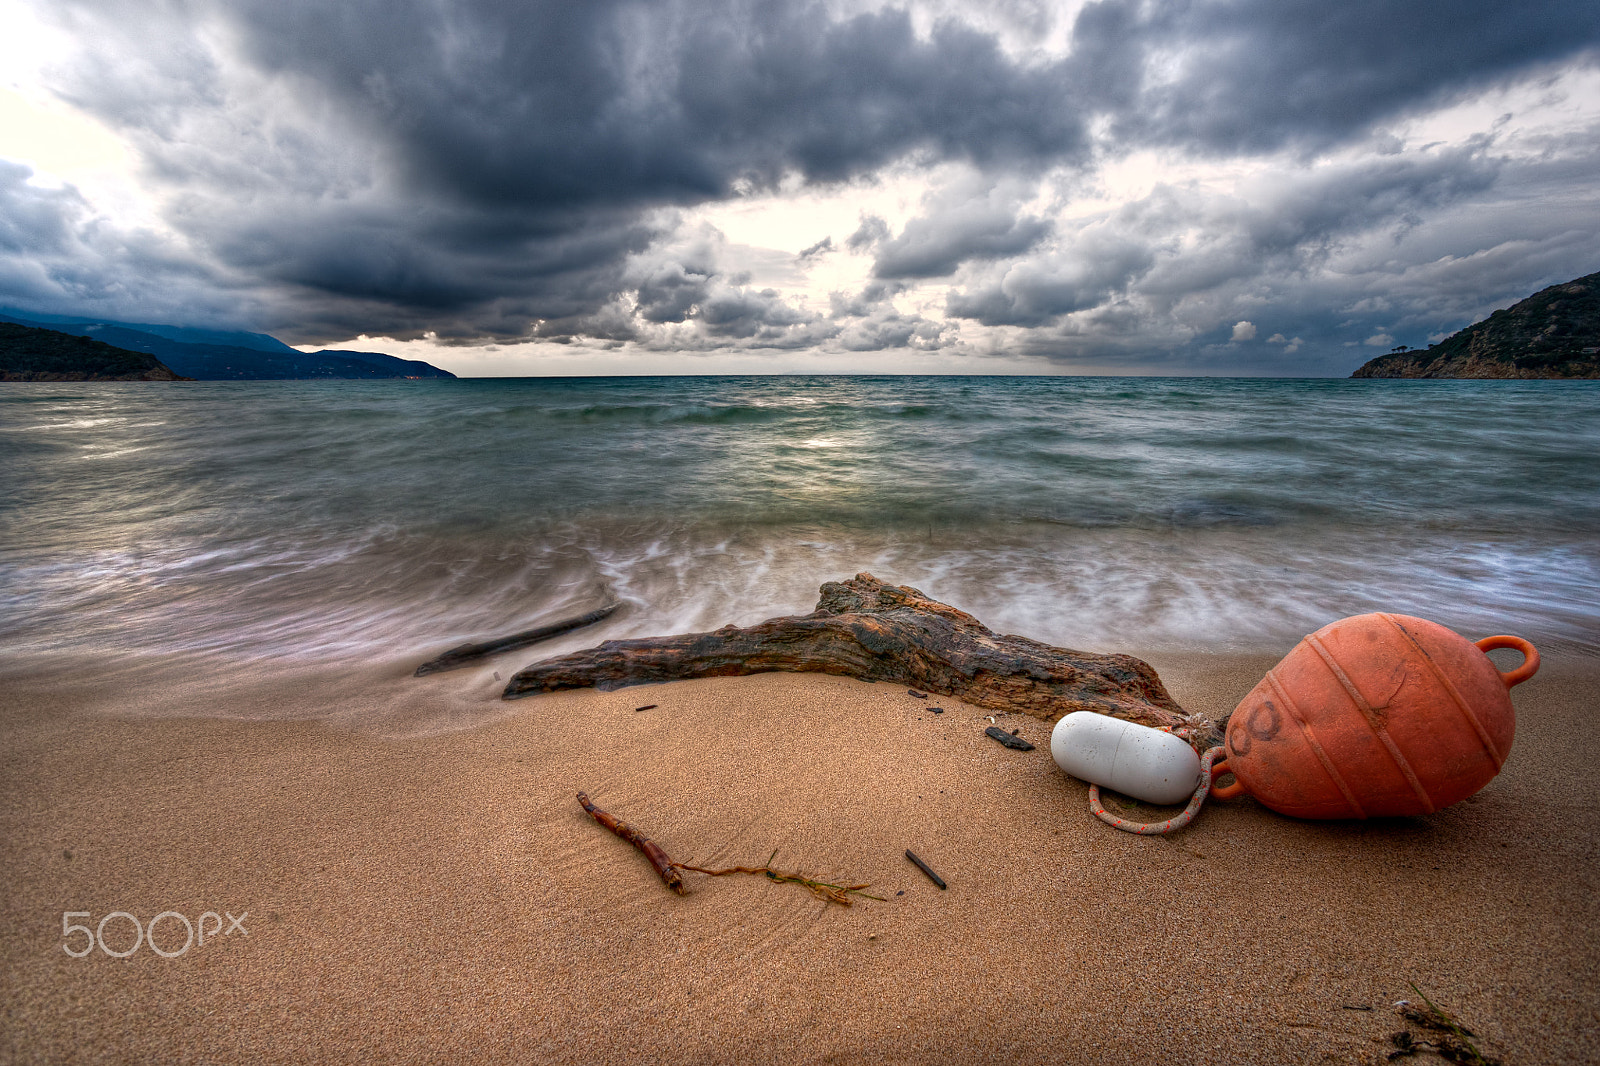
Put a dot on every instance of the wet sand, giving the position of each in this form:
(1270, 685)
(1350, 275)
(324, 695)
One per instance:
(420, 888)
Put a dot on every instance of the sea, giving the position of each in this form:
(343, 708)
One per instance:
(220, 523)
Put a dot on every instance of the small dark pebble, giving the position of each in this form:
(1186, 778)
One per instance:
(1347, 1006)
(1007, 739)
(901, 892)
(918, 695)
(1016, 732)
(938, 710)
(646, 707)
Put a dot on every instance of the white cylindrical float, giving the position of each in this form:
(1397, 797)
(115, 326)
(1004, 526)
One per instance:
(1126, 757)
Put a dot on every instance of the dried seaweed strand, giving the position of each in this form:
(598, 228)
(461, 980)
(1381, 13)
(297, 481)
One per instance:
(1443, 1022)
(825, 890)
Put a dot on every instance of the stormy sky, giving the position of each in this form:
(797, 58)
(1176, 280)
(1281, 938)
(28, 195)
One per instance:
(593, 186)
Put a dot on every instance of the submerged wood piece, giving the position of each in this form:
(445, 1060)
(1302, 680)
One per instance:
(470, 653)
(866, 629)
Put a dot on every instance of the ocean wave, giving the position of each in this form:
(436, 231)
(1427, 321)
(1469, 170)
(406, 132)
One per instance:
(237, 523)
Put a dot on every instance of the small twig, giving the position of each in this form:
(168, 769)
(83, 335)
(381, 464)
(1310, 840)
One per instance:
(658, 858)
(668, 868)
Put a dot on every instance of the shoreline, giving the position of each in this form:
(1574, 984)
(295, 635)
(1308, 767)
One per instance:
(418, 890)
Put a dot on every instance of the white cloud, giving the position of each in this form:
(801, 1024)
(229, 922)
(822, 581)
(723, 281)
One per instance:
(1379, 340)
(1244, 331)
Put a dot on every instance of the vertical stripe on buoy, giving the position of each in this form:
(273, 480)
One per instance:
(1373, 723)
(1316, 745)
(1445, 682)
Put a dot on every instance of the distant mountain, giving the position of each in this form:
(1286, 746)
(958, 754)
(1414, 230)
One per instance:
(28, 353)
(253, 356)
(1555, 333)
(233, 338)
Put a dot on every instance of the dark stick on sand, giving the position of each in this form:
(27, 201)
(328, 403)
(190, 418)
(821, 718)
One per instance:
(470, 653)
(1010, 740)
(652, 851)
(935, 878)
(866, 629)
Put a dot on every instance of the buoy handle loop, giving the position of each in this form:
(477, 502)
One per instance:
(1225, 792)
(1177, 821)
(1530, 657)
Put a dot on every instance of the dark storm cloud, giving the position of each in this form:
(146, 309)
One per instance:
(434, 157)
(1249, 75)
(471, 167)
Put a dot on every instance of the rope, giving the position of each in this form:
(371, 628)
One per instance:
(1177, 821)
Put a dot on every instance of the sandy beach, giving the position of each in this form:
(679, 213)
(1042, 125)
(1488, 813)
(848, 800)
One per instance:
(416, 891)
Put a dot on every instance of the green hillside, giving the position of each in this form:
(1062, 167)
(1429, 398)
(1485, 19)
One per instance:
(31, 354)
(1555, 333)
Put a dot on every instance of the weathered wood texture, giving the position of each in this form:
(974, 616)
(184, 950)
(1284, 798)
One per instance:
(866, 629)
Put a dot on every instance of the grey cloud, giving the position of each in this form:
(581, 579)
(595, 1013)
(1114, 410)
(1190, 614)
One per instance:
(868, 301)
(419, 161)
(37, 220)
(1094, 263)
(57, 254)
(935, 245)
(1252, 75)
(1333, 254)
(750, 315)
(888, 329)
(822, 247)
(679, 293)
(872, 232)
(483, 167)
(1288, 223)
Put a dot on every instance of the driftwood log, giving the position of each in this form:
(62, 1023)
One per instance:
(866, 629)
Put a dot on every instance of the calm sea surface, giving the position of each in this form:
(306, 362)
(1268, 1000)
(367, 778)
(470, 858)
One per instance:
(328, 520)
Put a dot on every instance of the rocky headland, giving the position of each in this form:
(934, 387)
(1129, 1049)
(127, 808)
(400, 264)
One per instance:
(1555, 333)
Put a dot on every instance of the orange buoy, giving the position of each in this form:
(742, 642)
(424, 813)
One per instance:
(1379, 714)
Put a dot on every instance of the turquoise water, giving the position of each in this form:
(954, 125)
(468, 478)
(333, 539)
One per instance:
(318, 520)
